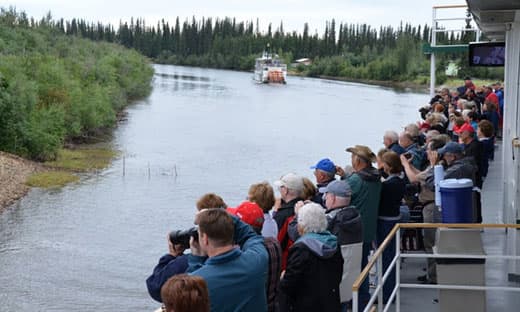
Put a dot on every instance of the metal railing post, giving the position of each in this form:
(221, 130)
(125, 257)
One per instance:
(398, 270)
(355, 301)
(380, 281)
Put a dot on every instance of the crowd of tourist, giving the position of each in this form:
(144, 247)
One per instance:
(303, 250)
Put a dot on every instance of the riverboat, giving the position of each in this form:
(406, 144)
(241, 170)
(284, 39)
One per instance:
(269, 69)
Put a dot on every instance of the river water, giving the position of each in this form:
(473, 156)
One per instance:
(90, 245)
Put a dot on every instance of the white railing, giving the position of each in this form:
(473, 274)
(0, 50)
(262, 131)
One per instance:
(382, 276)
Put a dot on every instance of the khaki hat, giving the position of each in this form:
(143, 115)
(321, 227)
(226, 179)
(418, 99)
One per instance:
(363, 151)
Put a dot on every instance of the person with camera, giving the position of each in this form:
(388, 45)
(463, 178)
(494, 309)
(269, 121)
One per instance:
(236, 275)
(173, 263)
(430, 212)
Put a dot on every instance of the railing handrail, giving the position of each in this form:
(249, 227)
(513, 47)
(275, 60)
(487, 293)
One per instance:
(450, 6)
(390, 236)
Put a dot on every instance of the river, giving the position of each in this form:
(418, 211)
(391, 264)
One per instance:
(90, 245)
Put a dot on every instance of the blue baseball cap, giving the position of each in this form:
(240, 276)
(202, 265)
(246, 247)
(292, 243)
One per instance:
(326, 165)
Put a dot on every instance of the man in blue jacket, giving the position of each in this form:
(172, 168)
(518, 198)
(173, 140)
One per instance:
(236, 275)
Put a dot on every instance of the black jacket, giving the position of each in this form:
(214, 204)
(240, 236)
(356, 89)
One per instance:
(392, 192)
(311, 280)
(284, 212)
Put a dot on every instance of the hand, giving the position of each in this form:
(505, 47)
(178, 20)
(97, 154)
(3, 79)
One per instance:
(405, 161)
(433, 157)
(277, 204)
(298, 205)
(282, 274)
(340, 171)
(195, 248)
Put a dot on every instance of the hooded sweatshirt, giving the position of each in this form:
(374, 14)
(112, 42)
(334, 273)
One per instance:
(366, 192)
(314, 269)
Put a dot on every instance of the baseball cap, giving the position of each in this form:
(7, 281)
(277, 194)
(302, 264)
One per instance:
(326, 165)
(465, 127)
(291, 181)
(339, 188)
(250, 213)
(452, 148)
(363, 151)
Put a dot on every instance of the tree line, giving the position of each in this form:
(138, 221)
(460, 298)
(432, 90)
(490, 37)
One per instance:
(55, 87)
(343, 50)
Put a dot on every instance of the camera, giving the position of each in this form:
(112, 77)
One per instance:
(182, 237)
(407, 155)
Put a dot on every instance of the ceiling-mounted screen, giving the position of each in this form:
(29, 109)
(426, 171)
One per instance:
(487, 54)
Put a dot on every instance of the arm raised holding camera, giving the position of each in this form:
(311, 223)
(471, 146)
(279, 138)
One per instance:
(173, 263)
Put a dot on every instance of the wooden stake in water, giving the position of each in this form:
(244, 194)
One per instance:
(124, 165)
(175, 169)
(148, 170)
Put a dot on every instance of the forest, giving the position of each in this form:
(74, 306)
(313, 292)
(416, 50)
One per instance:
(55, 88)
(61, 80)
(357, 51)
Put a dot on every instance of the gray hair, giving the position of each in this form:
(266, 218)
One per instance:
(392, 135)
(312, 218)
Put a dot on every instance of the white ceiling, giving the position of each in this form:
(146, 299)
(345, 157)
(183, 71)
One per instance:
(493, 15)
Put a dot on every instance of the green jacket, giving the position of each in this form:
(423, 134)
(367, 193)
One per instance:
(366, 192)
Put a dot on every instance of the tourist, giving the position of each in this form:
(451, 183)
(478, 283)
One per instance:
(426, 198)
(391, 142)
(412, 150)
(210, 200)
(366, 188)
(473, 149)
(173, 263)
(485, 135)
(290, 187)
(392, 193)
(236, 275)
(185, 293)
(325, 172)
(344, 221)
(263, 194)
(252, 214)
(309, 189)
(315, 265)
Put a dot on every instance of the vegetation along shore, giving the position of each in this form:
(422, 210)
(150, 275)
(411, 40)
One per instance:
(56, 89)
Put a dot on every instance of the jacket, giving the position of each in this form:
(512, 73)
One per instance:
(461, 169)
(167, 267)
(392, 193)
(366, 192)
(314, 269)
(284, 212)
(236, 279)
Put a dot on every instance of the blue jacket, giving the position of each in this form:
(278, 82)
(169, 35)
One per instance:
(167, 267)
(236, 279)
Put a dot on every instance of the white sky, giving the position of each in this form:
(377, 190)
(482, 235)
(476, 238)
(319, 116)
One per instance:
(293, 13)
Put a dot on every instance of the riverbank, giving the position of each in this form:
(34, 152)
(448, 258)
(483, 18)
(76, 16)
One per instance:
(417, 85)
(14, 171)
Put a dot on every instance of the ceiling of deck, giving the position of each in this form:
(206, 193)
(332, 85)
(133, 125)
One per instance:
(492, 16)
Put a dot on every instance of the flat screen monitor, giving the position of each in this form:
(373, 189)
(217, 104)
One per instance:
(487, 54)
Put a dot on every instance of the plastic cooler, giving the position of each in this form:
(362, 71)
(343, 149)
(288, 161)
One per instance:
(456, 200)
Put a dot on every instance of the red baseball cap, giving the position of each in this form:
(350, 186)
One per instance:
(250, 213)
(465, 127)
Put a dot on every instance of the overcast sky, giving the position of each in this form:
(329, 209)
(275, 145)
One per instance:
(293, 13)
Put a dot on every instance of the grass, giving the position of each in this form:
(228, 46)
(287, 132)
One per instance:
(80, 160)
(69, 162)
(51, 179)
